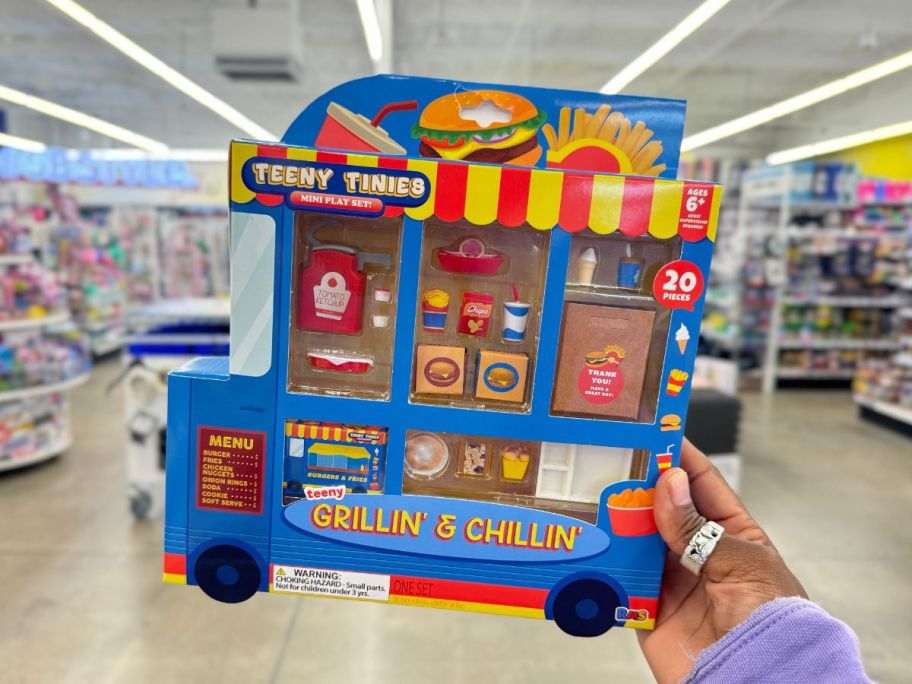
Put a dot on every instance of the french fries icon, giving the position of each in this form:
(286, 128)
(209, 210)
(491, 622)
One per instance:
(613, 128)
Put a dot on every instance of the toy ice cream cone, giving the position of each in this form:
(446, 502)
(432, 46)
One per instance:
(586, 263)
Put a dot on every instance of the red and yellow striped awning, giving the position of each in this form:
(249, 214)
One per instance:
(335, 432)
(513, 195)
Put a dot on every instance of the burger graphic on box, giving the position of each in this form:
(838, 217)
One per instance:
(489, 126)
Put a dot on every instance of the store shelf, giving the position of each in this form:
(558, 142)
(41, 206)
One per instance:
(883, 345)
(15, 259)
(809, 374)
(31, 323)
(902, 414)
(38, 456)
(846, 302)
(40, 390)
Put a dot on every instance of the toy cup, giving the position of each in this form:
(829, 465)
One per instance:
(434, 307)
(628, 275)
(515, 319)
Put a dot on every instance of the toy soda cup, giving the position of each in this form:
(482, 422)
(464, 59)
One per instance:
(434, 307)
(515, 319)
(628, 275)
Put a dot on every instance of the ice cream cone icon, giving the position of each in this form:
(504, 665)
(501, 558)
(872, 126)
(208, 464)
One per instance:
(682, 337)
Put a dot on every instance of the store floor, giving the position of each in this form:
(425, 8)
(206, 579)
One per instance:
(81, 598)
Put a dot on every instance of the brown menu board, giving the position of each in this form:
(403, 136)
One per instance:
(230, 469)
(602, 361)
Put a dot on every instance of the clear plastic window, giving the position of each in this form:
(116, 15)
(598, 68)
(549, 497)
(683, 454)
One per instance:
(343, 310)
(613, 332)
(479, 304)
(562, 478)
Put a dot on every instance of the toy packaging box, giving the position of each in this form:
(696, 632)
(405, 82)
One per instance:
(463, 323)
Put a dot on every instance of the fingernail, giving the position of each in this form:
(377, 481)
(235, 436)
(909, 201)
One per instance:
(679, 489)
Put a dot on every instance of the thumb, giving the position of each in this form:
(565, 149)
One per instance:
(675, 515)
(678, 520)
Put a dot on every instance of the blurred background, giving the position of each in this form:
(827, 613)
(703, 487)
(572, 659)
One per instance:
(114, 122)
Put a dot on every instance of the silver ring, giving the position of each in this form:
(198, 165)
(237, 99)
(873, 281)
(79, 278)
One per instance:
(701, 545)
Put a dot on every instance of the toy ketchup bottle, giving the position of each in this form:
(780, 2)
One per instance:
(331, 289)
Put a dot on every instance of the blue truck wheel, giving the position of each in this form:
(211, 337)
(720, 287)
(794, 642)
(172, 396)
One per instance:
(585, 608)
(227, 573)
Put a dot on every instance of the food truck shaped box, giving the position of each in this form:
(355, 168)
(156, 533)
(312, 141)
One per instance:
(460, 356)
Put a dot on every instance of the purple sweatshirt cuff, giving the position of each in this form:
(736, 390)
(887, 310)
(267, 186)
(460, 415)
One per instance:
(785, 640)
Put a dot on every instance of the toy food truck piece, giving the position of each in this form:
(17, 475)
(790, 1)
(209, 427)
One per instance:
(329, 454)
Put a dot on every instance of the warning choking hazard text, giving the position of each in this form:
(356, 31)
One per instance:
(230, 469)
(319, 582)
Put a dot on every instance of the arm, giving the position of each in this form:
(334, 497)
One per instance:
(744, 617)
(785, 640)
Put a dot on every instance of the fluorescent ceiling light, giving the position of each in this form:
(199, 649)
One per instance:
(80, 119)
(841, 143)
(146, 59)
(187, 155)
(662, 47)
(7, 140)
(793, 104)
(371, 25)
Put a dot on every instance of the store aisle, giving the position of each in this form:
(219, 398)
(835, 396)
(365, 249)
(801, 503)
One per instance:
(82, 601)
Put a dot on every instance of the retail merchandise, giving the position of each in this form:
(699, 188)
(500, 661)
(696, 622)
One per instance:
(819, 267)
(455, 374)
(41, 354)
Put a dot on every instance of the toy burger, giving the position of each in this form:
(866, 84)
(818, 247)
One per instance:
(489, 126)
(631, 512)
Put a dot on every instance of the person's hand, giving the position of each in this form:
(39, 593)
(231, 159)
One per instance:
(743, 572)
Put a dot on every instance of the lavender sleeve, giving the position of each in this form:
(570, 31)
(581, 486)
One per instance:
(785, 640)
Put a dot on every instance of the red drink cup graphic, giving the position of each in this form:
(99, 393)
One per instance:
(664, 460)
(343, 129)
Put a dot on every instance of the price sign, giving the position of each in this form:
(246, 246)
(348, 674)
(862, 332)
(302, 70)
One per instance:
(678, 285)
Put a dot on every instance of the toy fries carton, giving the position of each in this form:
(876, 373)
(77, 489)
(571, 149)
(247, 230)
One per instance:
(463, 325)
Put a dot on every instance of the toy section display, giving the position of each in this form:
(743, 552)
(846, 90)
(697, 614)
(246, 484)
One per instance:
(883, 384)
(461, 354)
(820, 269)
(194, 254)
(41, 354)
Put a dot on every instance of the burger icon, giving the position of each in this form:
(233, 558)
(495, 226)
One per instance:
(612, 354)
(501, 377)
(490, 126)
(441, 372)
